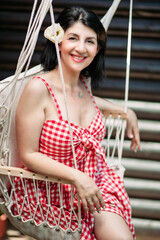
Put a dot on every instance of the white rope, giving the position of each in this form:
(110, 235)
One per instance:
(26, 54)
(109, 14)
(128, 60)
(63, 84)
(29, 46)
(113, 144)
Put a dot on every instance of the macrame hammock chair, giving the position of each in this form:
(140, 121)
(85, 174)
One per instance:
(10, 166)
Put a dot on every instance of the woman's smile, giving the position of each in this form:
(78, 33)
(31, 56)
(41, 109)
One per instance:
(77, 58)
(78, 48)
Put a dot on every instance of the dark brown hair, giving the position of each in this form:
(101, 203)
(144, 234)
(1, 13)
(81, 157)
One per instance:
(67, 18)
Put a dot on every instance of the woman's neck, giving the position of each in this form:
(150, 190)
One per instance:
(71, 79)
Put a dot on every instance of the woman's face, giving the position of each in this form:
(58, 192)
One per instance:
(79, 47)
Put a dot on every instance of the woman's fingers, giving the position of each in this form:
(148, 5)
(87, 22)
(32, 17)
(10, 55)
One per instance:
(135, 141)
(91, 205)
(85, 205)
(101, 200)
(89, 193)
(137, 138)
(96, 202)
(133, 130)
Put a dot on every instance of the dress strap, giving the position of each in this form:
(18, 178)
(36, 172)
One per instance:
(82, 79)
(55, 100)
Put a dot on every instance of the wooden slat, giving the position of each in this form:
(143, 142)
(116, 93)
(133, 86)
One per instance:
(138, 44)
(150, 150)
(139, 188)
(146, 208)
(12, 171)
(141, 168)
(148, 228)
(115, 115)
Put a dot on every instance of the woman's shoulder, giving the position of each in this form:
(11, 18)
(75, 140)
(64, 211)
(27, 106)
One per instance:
(34, 90)
(35, 85)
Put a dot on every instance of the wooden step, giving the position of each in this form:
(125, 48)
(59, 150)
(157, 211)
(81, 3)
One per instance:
(101, 4)
(138, 44)
(150, 150)
(138, 168)
(142, 188)
(133, 95)
(144, 109)
(145, 208)
(145, 65)
(149, 130)
(147, 227)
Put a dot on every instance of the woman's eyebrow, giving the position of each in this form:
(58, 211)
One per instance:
(73, 34)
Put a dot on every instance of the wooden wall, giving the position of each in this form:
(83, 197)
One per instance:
(145, 64)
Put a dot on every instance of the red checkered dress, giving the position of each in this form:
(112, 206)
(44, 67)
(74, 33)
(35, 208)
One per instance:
(55, 143)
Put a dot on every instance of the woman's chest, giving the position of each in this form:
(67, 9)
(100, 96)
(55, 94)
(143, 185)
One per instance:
(81, 111)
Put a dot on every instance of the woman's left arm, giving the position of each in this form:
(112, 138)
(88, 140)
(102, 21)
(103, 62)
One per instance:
(132, 122)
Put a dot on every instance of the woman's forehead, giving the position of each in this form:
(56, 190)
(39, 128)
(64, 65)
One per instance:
(79, 28)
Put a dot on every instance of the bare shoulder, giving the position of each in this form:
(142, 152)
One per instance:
(35, 89)
(34, 93)
(35, 86)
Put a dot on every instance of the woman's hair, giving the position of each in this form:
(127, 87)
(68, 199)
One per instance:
(67, 18)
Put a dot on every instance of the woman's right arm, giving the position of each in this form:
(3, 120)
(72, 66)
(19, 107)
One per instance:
(30, 116)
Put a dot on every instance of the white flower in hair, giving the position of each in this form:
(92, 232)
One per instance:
(49, 33)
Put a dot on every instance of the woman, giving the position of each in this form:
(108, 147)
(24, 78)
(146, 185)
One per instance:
(43, 135)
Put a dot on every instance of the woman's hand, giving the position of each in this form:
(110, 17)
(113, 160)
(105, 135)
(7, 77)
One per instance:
(88, 192)
(133, 130)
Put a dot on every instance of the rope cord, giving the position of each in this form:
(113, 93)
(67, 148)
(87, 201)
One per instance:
(29, 46)
(63, 84)
(128, 60)
(26, 54)
(112, 145)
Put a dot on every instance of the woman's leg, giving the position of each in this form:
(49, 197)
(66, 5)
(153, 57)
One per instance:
(111, 226)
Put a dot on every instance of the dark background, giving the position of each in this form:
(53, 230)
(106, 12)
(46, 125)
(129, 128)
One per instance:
(145, 64)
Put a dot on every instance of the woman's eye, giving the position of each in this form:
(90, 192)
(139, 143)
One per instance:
(72, 38)
(90, 41)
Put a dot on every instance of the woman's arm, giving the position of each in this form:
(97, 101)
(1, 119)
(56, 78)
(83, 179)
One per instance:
(132, 123)
(30, 117)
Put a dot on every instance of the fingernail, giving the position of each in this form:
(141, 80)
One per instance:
(99, 212)
(131, 135)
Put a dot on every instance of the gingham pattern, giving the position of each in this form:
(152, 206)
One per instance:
(55, 143)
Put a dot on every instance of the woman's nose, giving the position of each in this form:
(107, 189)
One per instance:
(81, 48)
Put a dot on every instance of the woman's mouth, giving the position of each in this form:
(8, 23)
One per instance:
(78, 58)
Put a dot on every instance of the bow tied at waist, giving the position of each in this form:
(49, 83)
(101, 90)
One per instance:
(89, 142)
